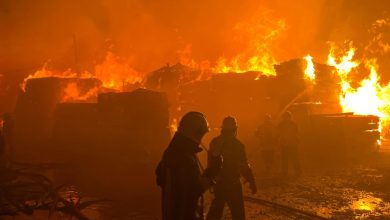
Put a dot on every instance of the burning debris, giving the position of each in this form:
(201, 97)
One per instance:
(256, 38)
(89, 118)
(108, 126)
(247, 95)
(168, 78)
(369, 97)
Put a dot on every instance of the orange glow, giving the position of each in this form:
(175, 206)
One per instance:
(173, 126)
(367, 203)
(260, 35)
(115, 75)
(263, 63)
(344, 64)
(370, 97)
(185, 58)
(309, 71)
(72, 93)
(44, 72)
(365, 99)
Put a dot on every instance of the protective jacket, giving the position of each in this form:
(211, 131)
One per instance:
(179, 176)
(227, 162)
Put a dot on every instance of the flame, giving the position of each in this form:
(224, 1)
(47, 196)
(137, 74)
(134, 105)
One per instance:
(365, 99)
(185, 58)
(45, 72)
(370, 97)
(378, 45)
(309, 71)
(260, 35)
(344, 64)
(116, 75)
(262, 62)
(112, 73)
(73, 94)
(174, 125)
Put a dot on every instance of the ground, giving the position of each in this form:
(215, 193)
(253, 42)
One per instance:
(356, 192)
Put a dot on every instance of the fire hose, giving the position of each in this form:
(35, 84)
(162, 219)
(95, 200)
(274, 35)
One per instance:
(287, 209)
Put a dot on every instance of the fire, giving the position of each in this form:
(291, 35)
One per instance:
(365, 99)
(345, 64)
(112, 73)
(309, 71)
(185, 58)
(116, 75)
(173, 126)
(378, 45)
(262, 62)
(73, 94)
(45, 72)
(370, 97)
(258, 37)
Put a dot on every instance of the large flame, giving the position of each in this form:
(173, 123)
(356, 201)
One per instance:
(345, 63)
(309, 71)
(262, 61)
(116, 75)
(260, 35)
(369, 97)
(113, 74)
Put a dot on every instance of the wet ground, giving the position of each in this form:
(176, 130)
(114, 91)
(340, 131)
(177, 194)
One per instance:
(357, 192)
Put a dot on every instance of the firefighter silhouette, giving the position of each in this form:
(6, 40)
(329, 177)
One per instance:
(288, 142)
(227, 162)
(179, 174)
(266, 133)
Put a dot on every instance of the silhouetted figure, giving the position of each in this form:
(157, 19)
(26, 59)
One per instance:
(288, 142)
(8, 135)
(3, 159)
(267, 138)
(179, 174)
(227, 161)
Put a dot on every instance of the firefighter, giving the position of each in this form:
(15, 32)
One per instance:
(179, 174)
(227, 162)
(266, 133)
(8, 131)
(288, 142)
(3, 159)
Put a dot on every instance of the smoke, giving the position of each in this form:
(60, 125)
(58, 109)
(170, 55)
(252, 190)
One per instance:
(148, 33)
